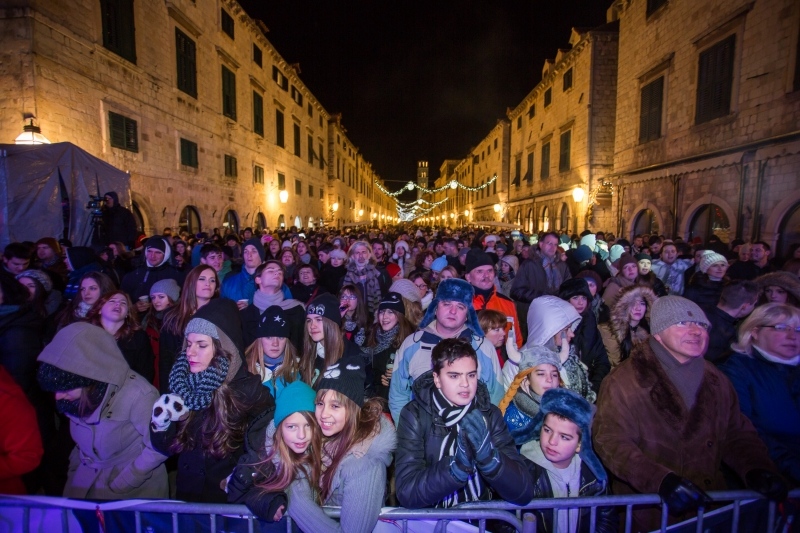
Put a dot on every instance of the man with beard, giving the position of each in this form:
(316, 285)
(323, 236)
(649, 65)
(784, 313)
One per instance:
(362, 273)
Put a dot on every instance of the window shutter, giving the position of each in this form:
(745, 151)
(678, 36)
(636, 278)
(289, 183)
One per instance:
(650, 115)
(258, 114)
(187, 63)
(714, 80)
(116, 127)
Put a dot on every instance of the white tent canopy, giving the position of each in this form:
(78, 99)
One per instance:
(31, 194)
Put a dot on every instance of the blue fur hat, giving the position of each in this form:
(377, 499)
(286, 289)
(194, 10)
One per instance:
(454, 290)
(573, 406)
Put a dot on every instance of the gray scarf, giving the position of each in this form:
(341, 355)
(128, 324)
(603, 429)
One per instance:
(262, 301)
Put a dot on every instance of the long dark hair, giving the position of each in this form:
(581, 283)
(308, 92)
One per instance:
(67, 315)
(360, 315)
(177, 317)
(406, 328)
(333, 343)
(223, 423)
(131, 324)
(360, 424)
(290, 463)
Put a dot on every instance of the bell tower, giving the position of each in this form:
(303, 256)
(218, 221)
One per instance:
(422, 177)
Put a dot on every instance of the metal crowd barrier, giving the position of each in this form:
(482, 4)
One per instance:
(35, 514)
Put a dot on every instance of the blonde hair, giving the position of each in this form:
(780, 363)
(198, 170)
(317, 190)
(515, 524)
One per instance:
(288, 370)
(519, 379)
(765, 315)
(290, 463)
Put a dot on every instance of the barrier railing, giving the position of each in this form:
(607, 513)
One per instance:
(38, 513)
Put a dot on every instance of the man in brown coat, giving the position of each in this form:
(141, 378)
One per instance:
(667, 419)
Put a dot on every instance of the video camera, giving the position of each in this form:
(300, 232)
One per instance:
(95, 205)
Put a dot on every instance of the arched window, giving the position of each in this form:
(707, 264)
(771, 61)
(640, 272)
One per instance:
(646, 223)
(709, 220)
(310, 222)
(298, 222)
(564, 219)
(190, 220)
(518, 218)
(544, 222)
(261, 222)
(529, 221)
(231, 221)
(281, 221)
(138, 217)
(789, 231)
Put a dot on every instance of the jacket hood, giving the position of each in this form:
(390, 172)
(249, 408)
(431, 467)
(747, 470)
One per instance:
(423, 393)
(547, 316)
(785, 280)
(88, 351)
(619, 314)
(114, 195)
(380, 447)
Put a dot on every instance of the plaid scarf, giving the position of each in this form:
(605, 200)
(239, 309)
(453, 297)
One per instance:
(452, 415)
(368, 281)
(554, 278)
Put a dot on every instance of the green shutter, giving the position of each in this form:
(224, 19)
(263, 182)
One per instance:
(186, 55)
(258, 114)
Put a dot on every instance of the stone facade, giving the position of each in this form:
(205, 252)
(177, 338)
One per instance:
(727, 165)
(197, 146)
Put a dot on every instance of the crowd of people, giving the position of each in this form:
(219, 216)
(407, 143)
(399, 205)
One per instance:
(407, 366)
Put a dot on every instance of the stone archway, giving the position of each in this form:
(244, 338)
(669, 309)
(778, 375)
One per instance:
(146, 212)
(698, 204)
(642, 207)
(772, 227)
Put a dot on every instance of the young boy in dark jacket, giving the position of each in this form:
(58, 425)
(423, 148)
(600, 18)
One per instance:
(453, 445)
(564, 464)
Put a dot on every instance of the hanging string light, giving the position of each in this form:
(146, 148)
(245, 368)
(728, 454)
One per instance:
(410, 186)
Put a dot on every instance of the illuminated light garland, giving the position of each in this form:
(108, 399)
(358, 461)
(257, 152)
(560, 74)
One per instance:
(410, 186)
(418, 203)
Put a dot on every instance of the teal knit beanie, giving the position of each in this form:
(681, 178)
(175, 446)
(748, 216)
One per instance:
(296, 396)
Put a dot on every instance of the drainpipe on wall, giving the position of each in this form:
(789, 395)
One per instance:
(675, 184)
(740, 207)
(589, 150)
(756, 234)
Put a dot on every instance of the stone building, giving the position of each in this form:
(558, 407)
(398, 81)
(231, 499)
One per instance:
(707, 134)
(214, 126)
(562, 138)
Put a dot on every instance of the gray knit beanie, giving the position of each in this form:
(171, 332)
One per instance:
(406, 289)
(534, 356)
(710, 257)
(166, 286)
(669, 310)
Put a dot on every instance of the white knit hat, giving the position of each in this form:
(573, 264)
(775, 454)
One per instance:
(710, 257)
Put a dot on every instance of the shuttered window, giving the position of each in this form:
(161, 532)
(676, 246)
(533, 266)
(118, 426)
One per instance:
(715, 80)
(568, 79)
(564, 151)
(311, 151)
(650, 114)
(119, 35)
(529, 172)
(123, 132)
(186, 55)
(258, 114)
(226, 21)
(279, 136)
(230, 166)
(189, 153)
(548, 97)
(228, 93)
(653, 5)
(517, 172)
(257, 55)
(297, 143)
(258, 175)
(545, 171)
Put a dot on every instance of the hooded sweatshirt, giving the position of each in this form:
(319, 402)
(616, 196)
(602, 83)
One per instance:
(565, 482)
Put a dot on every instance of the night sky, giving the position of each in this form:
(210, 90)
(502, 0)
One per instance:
(421, 80)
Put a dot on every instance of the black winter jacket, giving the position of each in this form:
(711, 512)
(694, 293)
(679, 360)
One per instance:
(591, 349)
(139, 354)
(200, 474)
(423, 479)
(606, 518)
(704, 291)
(138, 282)
(21, 332)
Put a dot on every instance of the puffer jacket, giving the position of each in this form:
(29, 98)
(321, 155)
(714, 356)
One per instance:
(358, 488)
(114, 458)
(616, 330)
(423, 479)
(413, 359)
(606, 519)
(704, 291)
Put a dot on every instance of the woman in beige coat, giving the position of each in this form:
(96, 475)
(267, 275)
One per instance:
(109, 407)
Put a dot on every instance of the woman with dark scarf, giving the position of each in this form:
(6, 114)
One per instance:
(164, 294)
(390, 329)
(354, 314)
(214, 405)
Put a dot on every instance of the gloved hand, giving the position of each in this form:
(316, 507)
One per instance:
(681, 495)
(486, 456)
(767, 483)
(462, 464)
(168, 408)
(514, 354)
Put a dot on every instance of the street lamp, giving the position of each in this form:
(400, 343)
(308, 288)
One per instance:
(284, 196)
(335, 206)
(577, 195)
(360, 212)
(31, 134)
(496, 208)
(466, 212)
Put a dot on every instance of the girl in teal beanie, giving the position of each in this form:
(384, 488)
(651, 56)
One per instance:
(292, 451)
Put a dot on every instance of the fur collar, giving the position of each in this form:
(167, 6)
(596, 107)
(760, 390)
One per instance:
(619, 314)
(665, 397)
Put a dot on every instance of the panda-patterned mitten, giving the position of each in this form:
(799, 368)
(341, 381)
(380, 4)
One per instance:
(168, 408)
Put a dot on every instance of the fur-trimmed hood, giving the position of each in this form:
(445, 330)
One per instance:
(785, 280)
(619, 314)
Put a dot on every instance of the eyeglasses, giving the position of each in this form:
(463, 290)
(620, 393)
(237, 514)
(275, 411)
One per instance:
(348, 297)
(783, 328)
(421, 286)
(701, 325)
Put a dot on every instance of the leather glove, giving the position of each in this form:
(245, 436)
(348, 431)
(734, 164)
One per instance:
(486, 456)
(767, 483)
(462, 465)
(168, 408)
(681, 495)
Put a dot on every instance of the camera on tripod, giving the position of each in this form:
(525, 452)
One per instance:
(95, 205)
